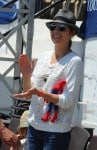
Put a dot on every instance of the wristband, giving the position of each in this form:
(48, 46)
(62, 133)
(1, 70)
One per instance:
(41, 93)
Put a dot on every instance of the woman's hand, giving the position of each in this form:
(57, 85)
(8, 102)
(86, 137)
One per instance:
(26, 66)
(28, 94)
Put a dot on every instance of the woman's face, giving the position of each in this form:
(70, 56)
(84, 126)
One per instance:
(60, 36)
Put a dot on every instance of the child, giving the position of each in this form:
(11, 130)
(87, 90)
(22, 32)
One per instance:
(22, 131)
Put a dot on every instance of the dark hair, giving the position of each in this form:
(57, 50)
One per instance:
(70, 43)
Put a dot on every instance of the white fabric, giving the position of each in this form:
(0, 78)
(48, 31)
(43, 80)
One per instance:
(68, 68)
(23, 144)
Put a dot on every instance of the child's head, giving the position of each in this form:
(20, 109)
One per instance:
(22, 129)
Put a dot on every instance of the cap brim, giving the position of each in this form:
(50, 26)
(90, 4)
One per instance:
(22, 126)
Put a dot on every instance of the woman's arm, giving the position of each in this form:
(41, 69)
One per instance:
(26, 67)
(54, 98)
(71, 91)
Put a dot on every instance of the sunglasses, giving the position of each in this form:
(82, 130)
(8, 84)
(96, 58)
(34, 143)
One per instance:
(59, 26)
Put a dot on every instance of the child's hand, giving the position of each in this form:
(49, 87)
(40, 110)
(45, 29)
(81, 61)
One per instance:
(18, 136)
(12, 148)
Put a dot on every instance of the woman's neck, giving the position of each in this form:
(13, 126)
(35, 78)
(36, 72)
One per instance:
(58, 54)
(61, 51)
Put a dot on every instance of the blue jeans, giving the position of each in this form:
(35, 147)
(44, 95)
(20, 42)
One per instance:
(40, 140)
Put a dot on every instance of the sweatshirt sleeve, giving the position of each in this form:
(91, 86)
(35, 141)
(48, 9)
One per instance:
(71, 92)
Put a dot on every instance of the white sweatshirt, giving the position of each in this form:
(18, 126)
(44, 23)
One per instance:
(68, 68)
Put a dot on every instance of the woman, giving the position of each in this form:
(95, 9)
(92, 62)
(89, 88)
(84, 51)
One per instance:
(51, 67)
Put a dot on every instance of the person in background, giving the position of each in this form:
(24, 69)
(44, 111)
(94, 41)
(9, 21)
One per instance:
(22, 131)
(8, 136)
(60, 64)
